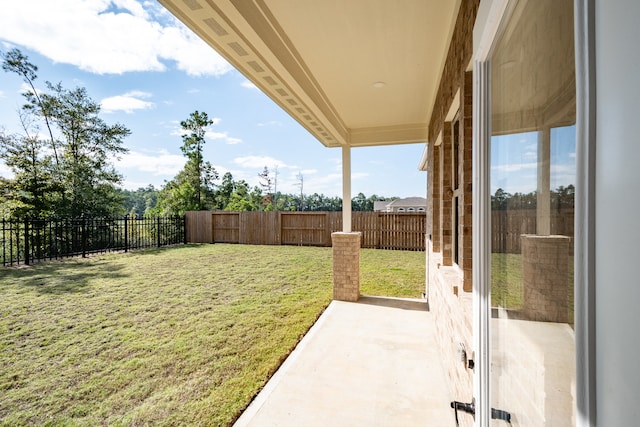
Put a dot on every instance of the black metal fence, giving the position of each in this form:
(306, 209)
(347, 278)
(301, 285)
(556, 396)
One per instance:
(24, 241)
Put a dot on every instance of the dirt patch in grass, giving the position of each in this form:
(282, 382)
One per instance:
(177, 336)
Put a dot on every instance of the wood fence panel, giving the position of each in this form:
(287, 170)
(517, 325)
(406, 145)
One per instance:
(260, 228)
(403, 231)
(367, 223)
(508, 225)
(198, 227)
(305, 228)
(226, 227)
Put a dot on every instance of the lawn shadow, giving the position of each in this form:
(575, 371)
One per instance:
(59, 277)
(391, 302)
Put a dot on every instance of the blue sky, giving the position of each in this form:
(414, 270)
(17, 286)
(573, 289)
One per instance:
(149, 72)
(514, 160)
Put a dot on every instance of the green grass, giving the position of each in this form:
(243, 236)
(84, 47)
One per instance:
(506, 283)
(178, 336)
(506, 280)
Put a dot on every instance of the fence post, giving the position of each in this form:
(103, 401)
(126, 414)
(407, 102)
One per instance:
(126, 235)
(83, 236)
(184, 228)
(26, 241)
(158, 231)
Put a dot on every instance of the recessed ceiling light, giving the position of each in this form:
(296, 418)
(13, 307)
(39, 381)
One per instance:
(379, 84)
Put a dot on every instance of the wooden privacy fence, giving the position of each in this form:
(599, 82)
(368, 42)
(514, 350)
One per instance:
(403, 231)
(508, 225)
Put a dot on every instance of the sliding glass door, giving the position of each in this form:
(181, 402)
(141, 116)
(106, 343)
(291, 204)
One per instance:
(532, 144)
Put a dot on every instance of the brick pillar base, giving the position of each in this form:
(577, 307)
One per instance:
(545, 277)
(346, 266)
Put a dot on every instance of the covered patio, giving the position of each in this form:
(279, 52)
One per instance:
(375, 362)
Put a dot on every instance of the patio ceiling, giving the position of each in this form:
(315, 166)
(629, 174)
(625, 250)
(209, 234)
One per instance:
(353, 73)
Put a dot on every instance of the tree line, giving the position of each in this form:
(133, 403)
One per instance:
(561, 198)
(235, 196)
(62, 164)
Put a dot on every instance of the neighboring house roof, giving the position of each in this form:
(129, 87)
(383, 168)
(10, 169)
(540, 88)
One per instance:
(409, 202)
(380, 205)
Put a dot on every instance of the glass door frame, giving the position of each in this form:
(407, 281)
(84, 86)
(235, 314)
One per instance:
(491, 17)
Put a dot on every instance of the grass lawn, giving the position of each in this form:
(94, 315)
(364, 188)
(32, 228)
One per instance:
(177, 336)
(506, 283)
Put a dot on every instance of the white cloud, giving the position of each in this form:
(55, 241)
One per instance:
(210, 134)
(259, 162)
(270, 123)
(128, 102)
(224, 136)
(514, 167)
(160, 163)
(5, 171)
(108, 37)
(248, 85)
(2, 95)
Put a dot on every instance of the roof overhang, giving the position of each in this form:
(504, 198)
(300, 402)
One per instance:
(353, 73)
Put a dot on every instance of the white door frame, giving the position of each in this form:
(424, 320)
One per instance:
(491, 15)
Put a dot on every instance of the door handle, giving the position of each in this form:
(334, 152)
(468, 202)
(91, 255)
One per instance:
(470, 408)
(499, 414)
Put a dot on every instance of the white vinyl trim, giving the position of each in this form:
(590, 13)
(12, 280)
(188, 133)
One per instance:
(481, 242)
(584, 260)
(490, 17)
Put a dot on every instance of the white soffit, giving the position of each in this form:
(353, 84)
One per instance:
(356, 72)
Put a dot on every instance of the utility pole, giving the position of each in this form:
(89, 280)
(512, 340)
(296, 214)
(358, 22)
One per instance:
(301, 185)
(275, 188)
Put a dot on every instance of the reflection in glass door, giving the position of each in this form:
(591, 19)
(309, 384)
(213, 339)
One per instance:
(532, 182)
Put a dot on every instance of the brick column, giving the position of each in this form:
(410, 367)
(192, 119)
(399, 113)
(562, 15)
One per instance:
(545, 277)
(346, 266)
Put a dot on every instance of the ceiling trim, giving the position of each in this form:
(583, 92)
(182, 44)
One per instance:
(387, 135)
(263, 67)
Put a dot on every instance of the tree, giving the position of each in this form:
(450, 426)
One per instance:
(224, 191)
(200, 173)
(361, 203)
(140, 202)
(266, 183)
(499, 200)
(192, 189)
(80, 180)
(88, 145)
(15, 62)
(300, 184)
(30, 189)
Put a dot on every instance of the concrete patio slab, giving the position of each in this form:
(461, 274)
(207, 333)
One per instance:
(371, 363)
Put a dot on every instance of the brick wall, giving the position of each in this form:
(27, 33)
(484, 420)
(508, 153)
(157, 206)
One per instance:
(466, 101)
(449, 286)
(453, 315)
(458, 57)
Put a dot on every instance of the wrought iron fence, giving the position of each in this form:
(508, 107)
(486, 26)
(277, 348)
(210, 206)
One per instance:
(24, 241)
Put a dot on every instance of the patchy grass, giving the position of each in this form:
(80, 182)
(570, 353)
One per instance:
(177, 336)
